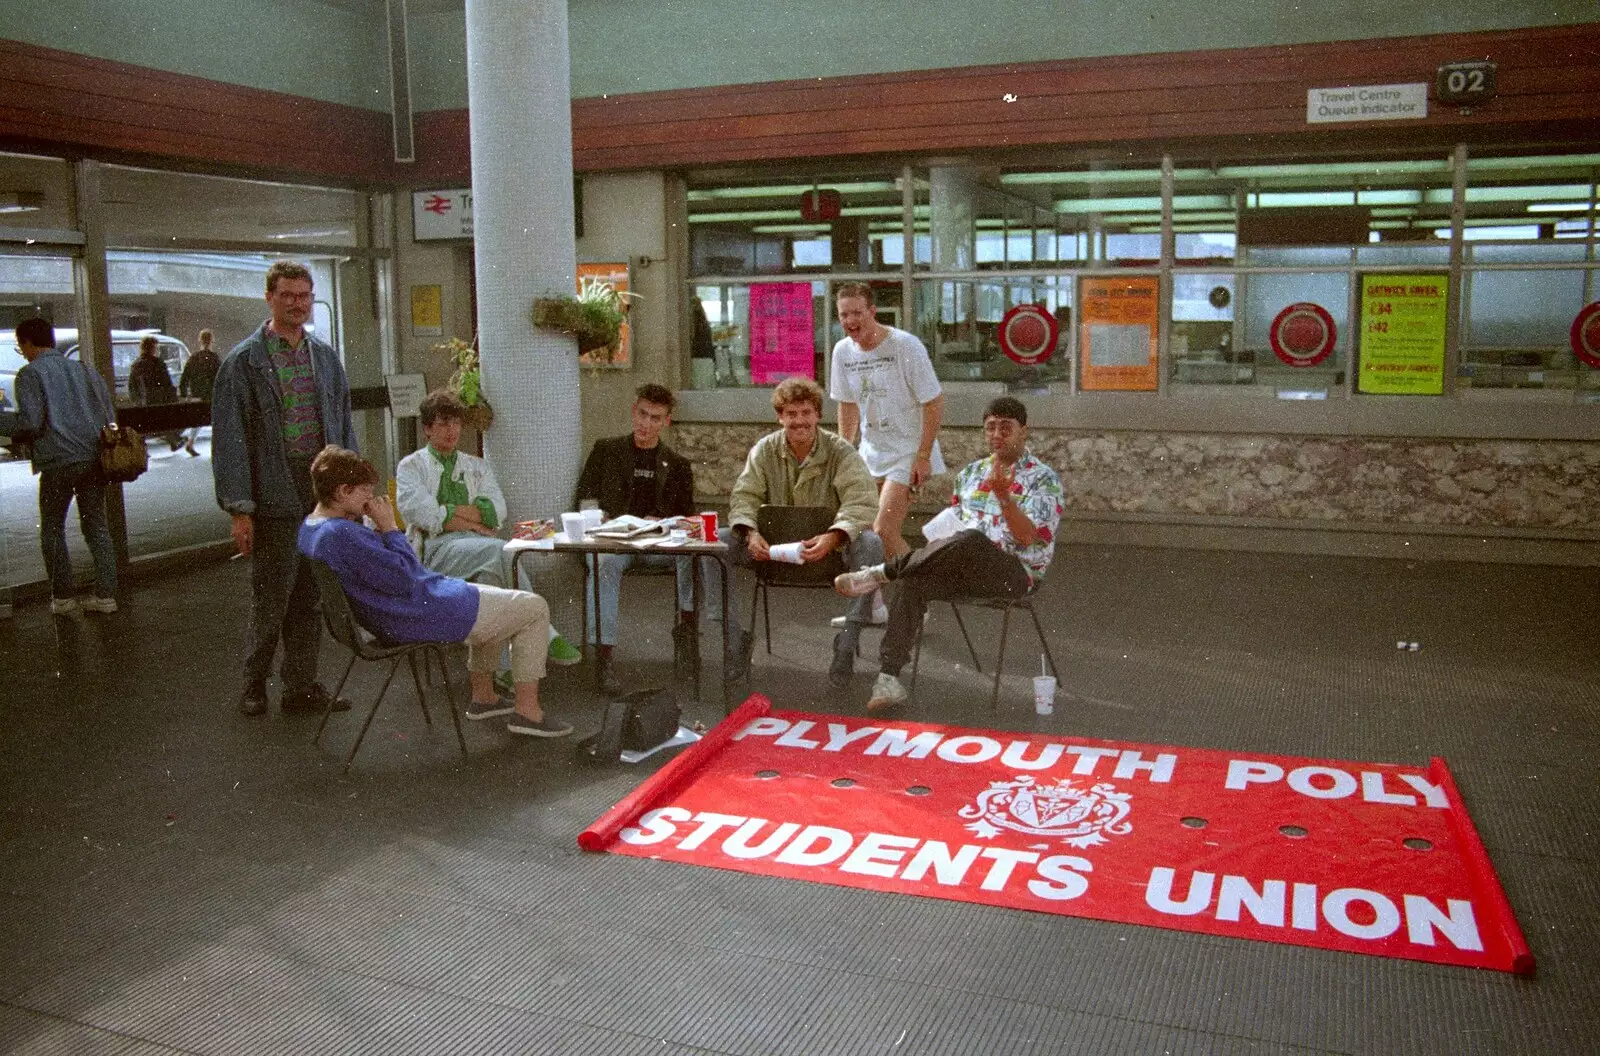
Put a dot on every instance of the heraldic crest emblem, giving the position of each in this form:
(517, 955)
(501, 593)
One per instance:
(1078, 817)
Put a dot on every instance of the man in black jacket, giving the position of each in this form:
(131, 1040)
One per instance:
(640, 475)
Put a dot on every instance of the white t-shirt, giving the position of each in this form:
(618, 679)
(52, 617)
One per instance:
(889, 385)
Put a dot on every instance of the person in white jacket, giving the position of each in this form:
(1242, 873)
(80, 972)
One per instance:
(453, 508)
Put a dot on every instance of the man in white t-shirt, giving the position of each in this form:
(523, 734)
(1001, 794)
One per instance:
(891, 403)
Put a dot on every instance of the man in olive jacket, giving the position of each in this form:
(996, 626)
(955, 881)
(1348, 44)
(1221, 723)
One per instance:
(802, 464)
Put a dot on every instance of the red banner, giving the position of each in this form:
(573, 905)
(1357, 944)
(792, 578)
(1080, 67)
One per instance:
(1363, 857)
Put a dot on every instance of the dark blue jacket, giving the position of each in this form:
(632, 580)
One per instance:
(61, 406)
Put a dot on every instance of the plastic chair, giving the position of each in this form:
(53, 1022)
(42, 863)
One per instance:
(792, 524)
(1004, 606)
(343, 626)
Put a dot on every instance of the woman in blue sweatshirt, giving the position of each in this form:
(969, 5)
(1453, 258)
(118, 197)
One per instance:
(400, 601)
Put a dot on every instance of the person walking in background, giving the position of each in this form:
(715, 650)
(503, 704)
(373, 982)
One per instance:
(150, 383)
(199, 377)
(281, 395)
(61, 408)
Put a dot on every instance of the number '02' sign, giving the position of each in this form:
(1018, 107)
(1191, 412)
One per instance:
(1464, 83)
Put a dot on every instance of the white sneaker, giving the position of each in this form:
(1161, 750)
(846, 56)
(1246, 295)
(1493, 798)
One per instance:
(861, 582)
(63, 606)
(880, 616)
(887, 692)
(97, 604)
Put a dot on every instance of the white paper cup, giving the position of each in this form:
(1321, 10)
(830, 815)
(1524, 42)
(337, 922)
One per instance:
(572, 526)
(788, 553)
(1044, 694)
(593, 517)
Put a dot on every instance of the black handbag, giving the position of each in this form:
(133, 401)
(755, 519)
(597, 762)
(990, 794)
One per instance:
(635, 722)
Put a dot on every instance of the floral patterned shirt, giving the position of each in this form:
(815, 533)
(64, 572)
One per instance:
(1038, 493)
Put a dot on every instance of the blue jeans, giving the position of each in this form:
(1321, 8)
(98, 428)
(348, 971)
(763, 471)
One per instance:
(612, 566)
(58, 486)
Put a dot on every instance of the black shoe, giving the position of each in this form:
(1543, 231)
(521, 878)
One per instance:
(736, 664)
(685, 649)
(610, 684)
(253, 702)
(312, 698)
(844, 660)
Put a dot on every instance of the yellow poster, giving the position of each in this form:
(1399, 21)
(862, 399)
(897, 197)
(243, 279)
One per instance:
(427, 311)
(1402, 334)
(617, 276)
(1117, 327)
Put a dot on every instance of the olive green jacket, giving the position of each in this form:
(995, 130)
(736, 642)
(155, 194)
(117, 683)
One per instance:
(833, 475)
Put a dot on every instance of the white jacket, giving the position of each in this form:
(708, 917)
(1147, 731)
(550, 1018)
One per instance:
(417, 491)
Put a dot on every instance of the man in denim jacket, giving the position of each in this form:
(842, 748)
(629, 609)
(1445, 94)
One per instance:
(280, 397)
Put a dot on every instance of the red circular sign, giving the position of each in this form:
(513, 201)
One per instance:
(1586, 334)
(1028, 334)
(1303, 334)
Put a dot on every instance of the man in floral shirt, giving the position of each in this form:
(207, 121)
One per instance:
(1008, 506)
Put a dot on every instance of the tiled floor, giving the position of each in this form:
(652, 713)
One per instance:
(177, 878)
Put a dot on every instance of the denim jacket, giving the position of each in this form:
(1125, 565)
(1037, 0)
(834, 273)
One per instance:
(248, 462)
(61, 406)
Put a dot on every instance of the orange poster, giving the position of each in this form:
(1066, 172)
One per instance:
(617, 276)
(1118, 320)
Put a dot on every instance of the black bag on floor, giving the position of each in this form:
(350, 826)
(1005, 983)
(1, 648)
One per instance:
(635, 722)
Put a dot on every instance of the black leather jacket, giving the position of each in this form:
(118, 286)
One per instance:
(608, 476)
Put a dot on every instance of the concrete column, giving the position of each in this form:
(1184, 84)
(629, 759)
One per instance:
(519, 99)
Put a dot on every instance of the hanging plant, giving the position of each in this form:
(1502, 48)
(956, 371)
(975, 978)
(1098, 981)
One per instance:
(467, 381)
(593, 318)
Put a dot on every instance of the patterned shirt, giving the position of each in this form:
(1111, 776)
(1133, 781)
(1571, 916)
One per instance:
(302, 421)
(1038, 492)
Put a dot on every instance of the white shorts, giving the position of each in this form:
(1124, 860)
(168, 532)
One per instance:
(884, 465)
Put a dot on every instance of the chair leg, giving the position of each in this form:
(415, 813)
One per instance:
(450, 698)
(372, 711)
(766, 616)
(755, 608)
(916, 657)
(976, 663)
(416, 680)
(1000, 658)
(317, 739)
(1039, 630)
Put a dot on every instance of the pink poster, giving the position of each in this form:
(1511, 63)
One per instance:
(782, 344)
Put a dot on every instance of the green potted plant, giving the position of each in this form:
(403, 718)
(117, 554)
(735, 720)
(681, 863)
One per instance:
(467, 382)
(594, 317)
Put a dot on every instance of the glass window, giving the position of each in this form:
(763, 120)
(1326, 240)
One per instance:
(775, 227)
(1268, 301)
(1530, 198)
(35, 193)
(959, 321)
(144, 206)
(1201, 334)
(756, 334)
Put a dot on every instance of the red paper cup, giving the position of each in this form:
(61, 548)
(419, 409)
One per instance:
(708, 526)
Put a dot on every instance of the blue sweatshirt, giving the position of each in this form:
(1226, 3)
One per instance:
(393, 596)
